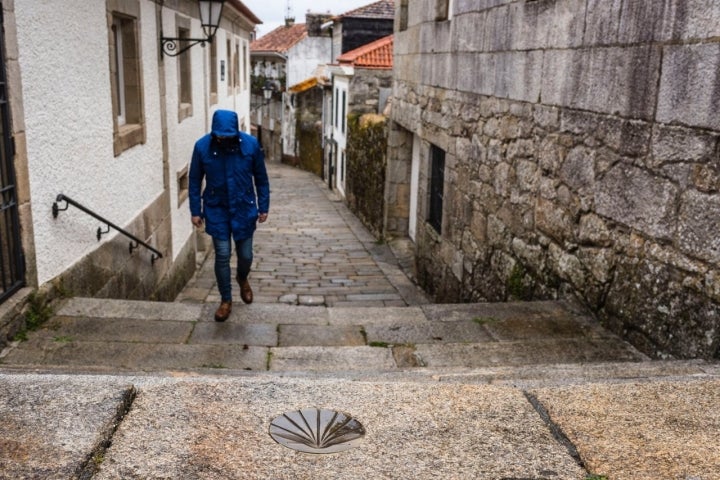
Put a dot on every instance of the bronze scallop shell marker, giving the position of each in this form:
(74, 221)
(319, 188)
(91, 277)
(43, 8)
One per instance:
(314, 430)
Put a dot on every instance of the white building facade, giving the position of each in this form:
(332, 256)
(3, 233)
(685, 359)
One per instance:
(99, 114)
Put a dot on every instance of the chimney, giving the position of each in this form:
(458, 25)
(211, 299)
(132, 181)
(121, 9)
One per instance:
(314, 22)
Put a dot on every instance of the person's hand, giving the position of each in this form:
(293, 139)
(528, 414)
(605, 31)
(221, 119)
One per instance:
(197, 221)
(262, 217)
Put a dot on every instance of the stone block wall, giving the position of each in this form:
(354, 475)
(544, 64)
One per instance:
(366, 165)
(308, 130)
(582, 142)
(367, 147)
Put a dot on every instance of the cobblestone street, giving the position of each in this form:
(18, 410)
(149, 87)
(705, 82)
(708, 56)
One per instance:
(314, 251)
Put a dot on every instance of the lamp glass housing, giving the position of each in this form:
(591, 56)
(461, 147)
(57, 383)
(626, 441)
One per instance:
(210, 14)
(268, 89)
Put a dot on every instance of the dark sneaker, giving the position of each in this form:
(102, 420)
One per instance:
(223, 311)
(246, 292)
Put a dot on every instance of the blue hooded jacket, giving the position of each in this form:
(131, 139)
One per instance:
(236, 181)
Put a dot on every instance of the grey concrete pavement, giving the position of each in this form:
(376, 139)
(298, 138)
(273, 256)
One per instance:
(186, 427)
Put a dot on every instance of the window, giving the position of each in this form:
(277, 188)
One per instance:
(342, 119)
(228, 54)
(342, 166)
(403, 17)
(125, 75)
(337, 108)
(182, 185)
(184, 72)
(437, 179)
(236, 68)
(246, 63)
(117, 30)
(443, 10)
(213, 73)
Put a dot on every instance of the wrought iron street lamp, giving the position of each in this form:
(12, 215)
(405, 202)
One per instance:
(210, 14)
(268, 89)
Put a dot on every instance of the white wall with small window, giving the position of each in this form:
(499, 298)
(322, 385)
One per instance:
(71, 124)
(186, 94)
(101, 129)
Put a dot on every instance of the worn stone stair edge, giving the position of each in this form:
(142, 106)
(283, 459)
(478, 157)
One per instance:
(113, 308)
(522, 376)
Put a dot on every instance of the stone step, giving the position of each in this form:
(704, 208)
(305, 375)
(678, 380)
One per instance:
(156, 426)
(150, 336)
(485, 313)
(455, 384)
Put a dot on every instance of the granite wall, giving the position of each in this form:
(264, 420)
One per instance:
(582, 142)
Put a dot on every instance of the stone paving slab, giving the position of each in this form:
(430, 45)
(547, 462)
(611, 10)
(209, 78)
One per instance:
(320, 335)
(641, 431)
(495, 311)
(326, 359)
(525, 353)
(528, 328)
(273, 314)
(445, 332)
(102, 308)
(212, 429)
(226, 333)
(375, 315)
(51, 427)
(139, 357)
(66, 329)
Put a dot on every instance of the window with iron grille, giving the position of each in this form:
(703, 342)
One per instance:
(12, 267)
(437, 179)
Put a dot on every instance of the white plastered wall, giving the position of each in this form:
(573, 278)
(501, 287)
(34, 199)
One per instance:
(182, 134)
(240, 100)
(64, 64)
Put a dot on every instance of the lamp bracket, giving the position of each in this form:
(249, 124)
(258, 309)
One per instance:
(170, 44)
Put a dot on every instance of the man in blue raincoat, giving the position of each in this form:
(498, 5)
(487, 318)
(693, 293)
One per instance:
(235, 198)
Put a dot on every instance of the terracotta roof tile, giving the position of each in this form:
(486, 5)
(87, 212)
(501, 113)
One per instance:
(281, 39)
(377, 54)
(381, 9)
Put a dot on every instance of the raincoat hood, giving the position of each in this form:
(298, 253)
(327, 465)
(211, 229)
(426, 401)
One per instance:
(225, 124)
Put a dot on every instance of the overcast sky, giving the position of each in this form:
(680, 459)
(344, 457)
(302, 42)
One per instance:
(272, 12)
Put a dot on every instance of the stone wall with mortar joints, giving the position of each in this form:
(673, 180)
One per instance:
(367, 148)
(582, 141)
(366, 166)
(308, 130)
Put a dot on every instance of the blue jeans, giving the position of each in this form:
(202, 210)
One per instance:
(244, 252)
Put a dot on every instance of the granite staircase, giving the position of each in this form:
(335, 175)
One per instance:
(552, 341)
(110, 389)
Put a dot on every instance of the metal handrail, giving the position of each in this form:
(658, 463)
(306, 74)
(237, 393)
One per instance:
(69, 201)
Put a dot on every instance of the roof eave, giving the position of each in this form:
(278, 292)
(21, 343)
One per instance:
(244, 10)
(267, 53)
